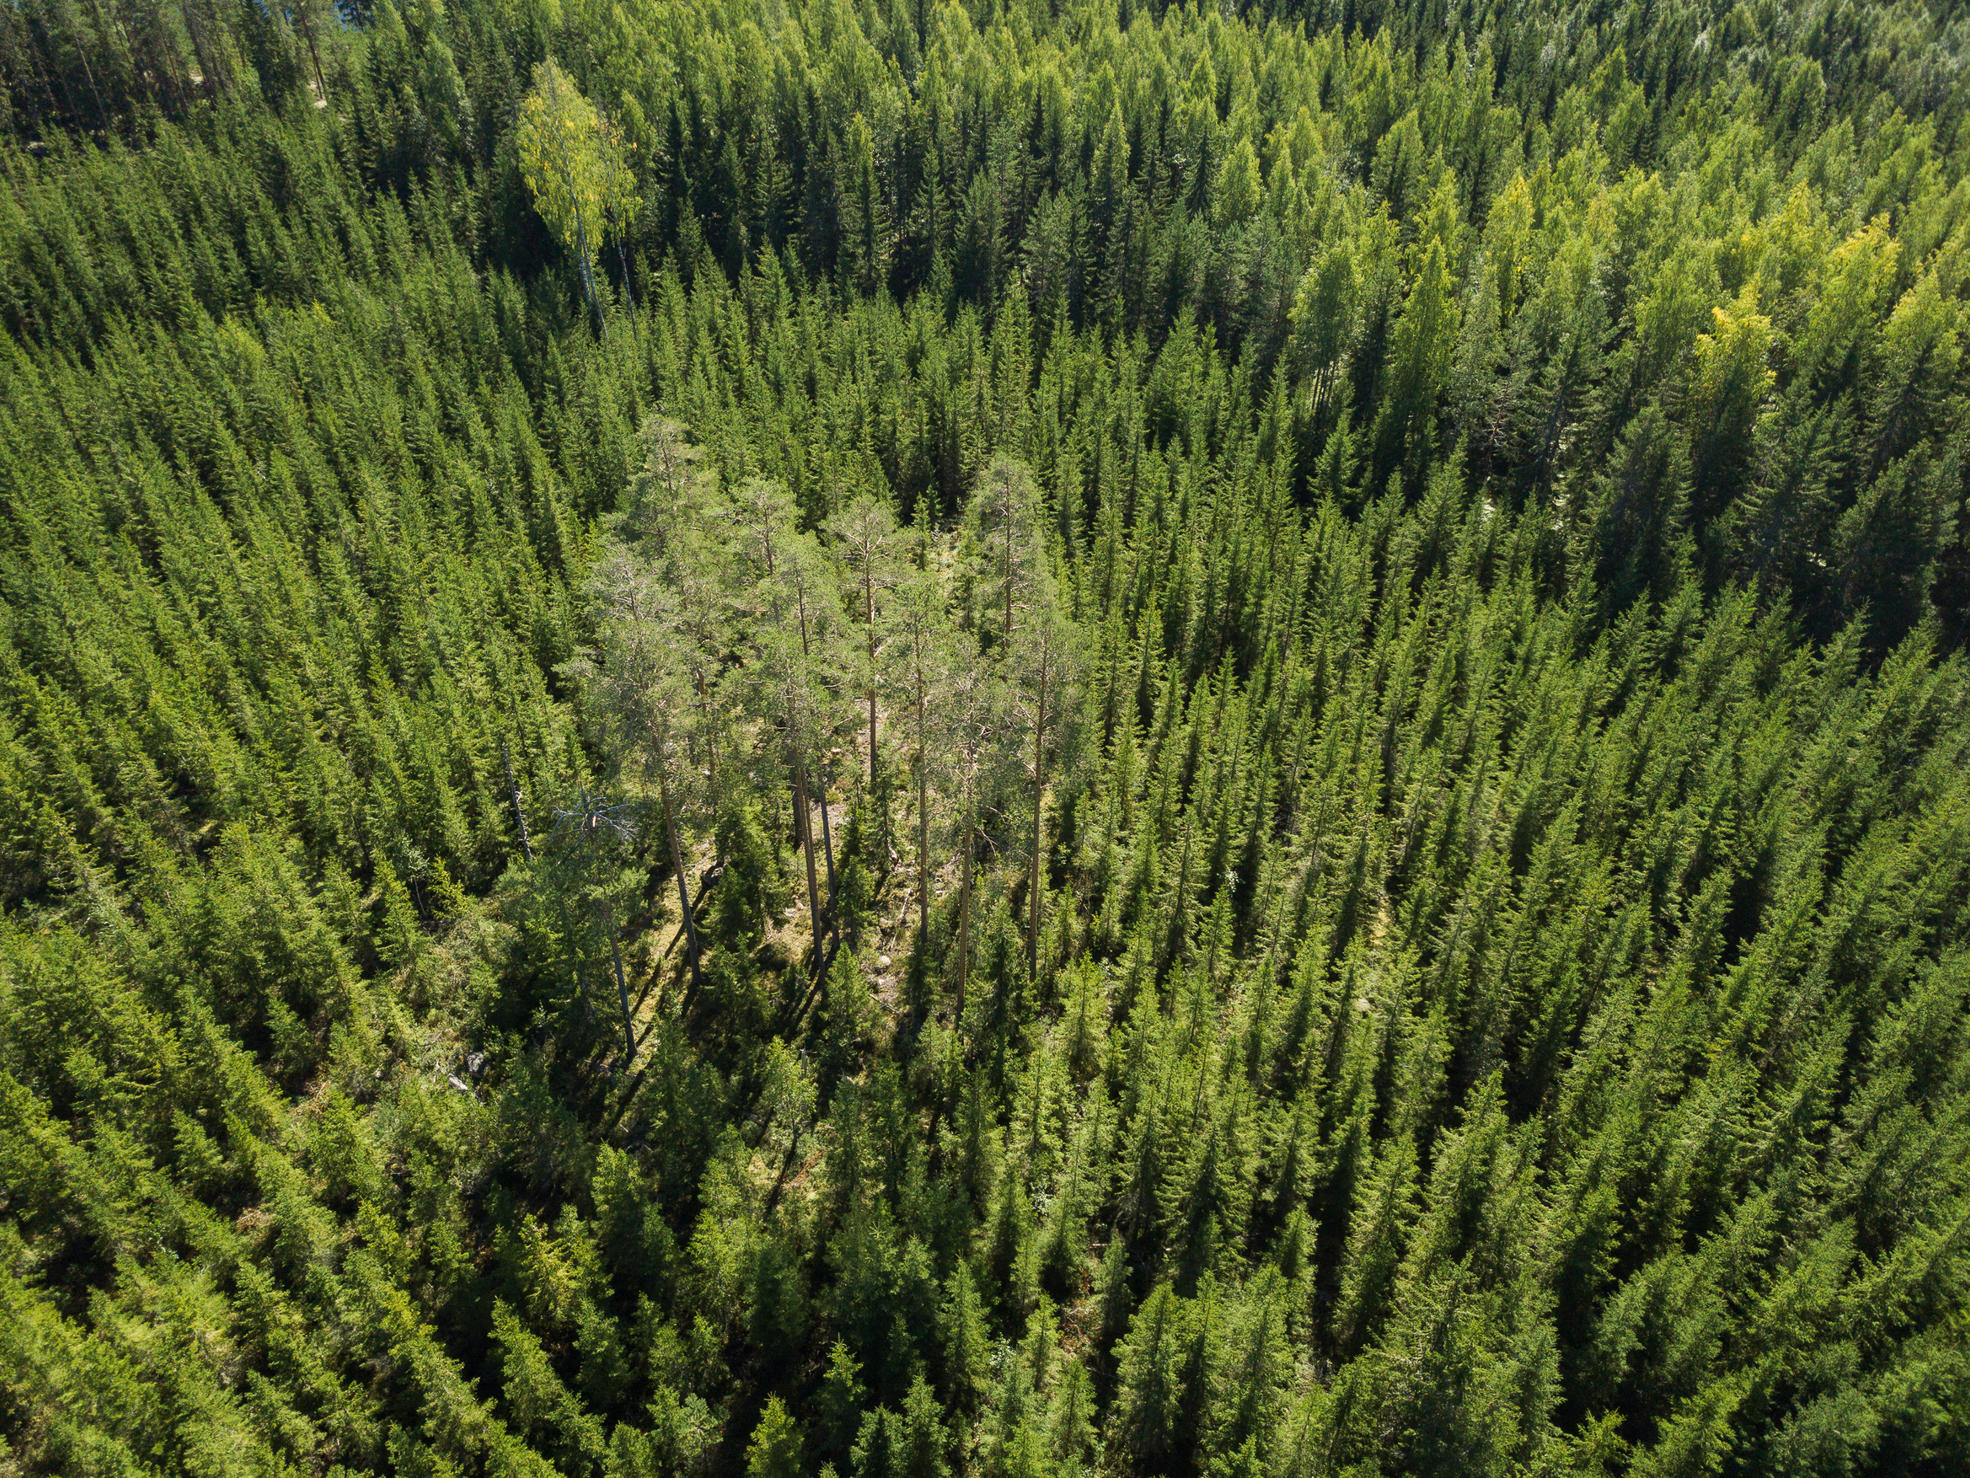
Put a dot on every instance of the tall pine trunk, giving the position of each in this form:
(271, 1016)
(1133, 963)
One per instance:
(622, 260)
(1006, 571)
(828, 850)
(807, 807)
(1039, 790)
(683, 888)
(587, 270)
(869, 616)
(711, 747)
(923, 819)
(803, 814)
(622, 994)
(964, 920)
(519, 811)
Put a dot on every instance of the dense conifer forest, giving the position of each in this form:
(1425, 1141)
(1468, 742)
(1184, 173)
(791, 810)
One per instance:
(1037, 737)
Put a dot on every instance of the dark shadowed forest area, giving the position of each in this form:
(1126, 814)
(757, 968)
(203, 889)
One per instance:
(1011, 739)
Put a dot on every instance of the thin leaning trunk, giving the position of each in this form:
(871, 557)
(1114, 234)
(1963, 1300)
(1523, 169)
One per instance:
(872, 740)
(622, 994)
(587, 271)
(519, 812)
(1039, 790)
(314, 55)
(923, 823)
(964, 923)
(89, 75)
(622, 259)
(869, 619)
(923, 857)
(807, 810)
(1006, 518)
(208, 64)
(683, 890)
(711, 748)
(803, 814)
(828, 851)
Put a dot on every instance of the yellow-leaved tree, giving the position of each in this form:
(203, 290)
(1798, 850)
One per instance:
(577, 170)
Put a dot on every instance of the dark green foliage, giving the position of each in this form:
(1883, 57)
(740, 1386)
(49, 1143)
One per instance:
(751, 888)
(1304, 671)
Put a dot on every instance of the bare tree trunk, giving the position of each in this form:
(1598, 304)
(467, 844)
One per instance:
(828, 852)
(1039, 790)
(964, 922)
(803, 813)
(923, 822)
(869, 625)
(683, 888)
(806, 807)
(210, 66)
(89, 74)
(587, 271)
(1005, 517)
(872, 740)
(513, 789)
(622, 993)
(46, 50)
(116, 41)
(622, 259)
(711, 748)
(300, 12)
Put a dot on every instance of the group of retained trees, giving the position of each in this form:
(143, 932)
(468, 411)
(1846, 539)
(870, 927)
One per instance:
(933, 740)
(738, 655)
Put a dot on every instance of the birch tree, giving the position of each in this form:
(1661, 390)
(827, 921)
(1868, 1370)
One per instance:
(577, 171)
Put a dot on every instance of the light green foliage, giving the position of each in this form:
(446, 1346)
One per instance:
(576, 168)
(774, 1451)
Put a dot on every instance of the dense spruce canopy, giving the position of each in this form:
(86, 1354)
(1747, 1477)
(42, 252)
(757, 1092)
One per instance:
(920, 739)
